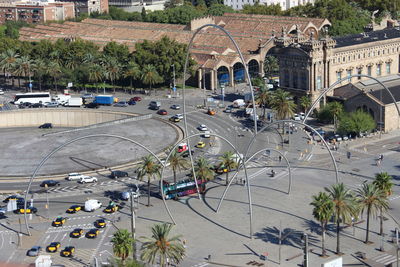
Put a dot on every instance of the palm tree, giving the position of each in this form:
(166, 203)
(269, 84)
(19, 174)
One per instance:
(112, 70)
(150, 75)
(271, 66)
(336, 109)
(203, 170)
(263, 98)
(229, 162)
(305, 103)
(53, 69)
(23, 68)
(132, 71)
(282, 103)
(40, 71)
(384, 182)
(177, 162)
(322, 212)
(372, 199)
(162, 246)
(344, 207)
(151, 169)
(96, 74)
(7, 61)
(122, 244)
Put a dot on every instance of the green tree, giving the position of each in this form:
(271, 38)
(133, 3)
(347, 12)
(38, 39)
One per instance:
(40, 71)
(228, 160)
(371, 199)
(383, 181)
(203, 170)
(112, 70)
(96, 74)
(150, 75)
(132, 72)
(283, 104)
(271, 66)
(172, 3)
(150, 168)
(177, 163)
(356, 122)
(122, 241)
(8, 60)
(262, 9)
(118, 51)
(322, 212)
(263, 98)
(162, 246)
(345, 207)
(53, 69)
(24, 67)
(305, 103)
(336, 109)
(219, 10)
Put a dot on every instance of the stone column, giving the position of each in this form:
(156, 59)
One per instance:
(200, 78)
(261, 68)
(213, 80)
(231, 80)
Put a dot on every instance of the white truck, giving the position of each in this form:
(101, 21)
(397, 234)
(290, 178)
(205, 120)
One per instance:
(92, 205)
(62, 99)
(74, 102)
(238, 103)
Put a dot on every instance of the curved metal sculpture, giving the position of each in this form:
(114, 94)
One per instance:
(194, 175)
(237, 172)
(341, 80)
(48, 156)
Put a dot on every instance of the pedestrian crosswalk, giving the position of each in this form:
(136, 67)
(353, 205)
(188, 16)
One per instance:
(76, 187)
(384, 259)
(201, 264)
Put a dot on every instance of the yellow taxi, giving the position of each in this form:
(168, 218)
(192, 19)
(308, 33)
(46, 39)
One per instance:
(211, 112)
(68, 251)
(175, 119)
(200, 144)
(111, 209)
(100, 223)
(27, 210)
(76, 233)
(93, 233)
(53, 247)
(221, 169)
(59, 221)
(74, 209)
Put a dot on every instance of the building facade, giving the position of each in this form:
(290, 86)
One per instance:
(36, 12)
(285, 4)
(88, 6)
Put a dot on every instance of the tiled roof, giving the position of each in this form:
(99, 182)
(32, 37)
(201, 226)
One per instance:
(372, 36)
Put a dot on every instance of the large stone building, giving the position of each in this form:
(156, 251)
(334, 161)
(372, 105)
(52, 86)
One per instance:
(36, 12)
(284, 4)
(88, 6)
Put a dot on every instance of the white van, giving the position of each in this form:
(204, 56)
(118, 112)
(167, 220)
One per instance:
(74, 102)
(92, 205)
(238, 103)
(74, 176)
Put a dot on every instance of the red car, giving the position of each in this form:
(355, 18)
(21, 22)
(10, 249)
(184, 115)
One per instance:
(136, 98)
(162, 112)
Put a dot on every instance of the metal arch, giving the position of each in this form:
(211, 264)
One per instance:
(48, 156)
(237, 172)
(241, 58)
(339, 81)
(194, 175)
(303, 124)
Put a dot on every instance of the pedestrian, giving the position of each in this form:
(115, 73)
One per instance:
(381, 157)
(378, 162)
(336, 148)
(280, 158)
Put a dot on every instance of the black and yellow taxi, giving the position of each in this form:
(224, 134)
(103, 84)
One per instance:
(76, 233)
(93, 233)
(111, 208)
(53, 247)
(200, 144)
(100, 223)
(28, 210)
(175, 119)
(68, 251)
(59, 221)
(74, 209)
(220, 169)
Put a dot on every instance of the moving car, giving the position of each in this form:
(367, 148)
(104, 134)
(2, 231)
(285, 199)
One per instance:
(92, 205)
(74, 176)
(174, 119)
(88, 179)
(28, 210)
(1, 92)
(121, 104)
(125, 195)
(25, 105)
(154, 105)
(2, 212)
(111, 208)
(76, 233)
(53, 247)
(68, 251)
(100, 223)
(59, 221)
(179, 116)
(176, 107)
(49, 183)
(200, 144)
(228, 110)
(136, 98)
(46, 126)
(117, 174)
(74, 209)
(162, 112)
(92, 105)
(220, 168)
(93, 233)
(87, 96)
(14, 197)
(131, 102)
(37, 105)
(202, 127)
(206, 134)
(51, 104)
(34, 251)
(211, 112)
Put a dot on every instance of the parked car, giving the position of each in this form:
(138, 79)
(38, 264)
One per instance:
(14, 197)
(53, 247)
(46, 126)
(88, 179)
(338, 138)
(68, 251)
(34, 251)
(136, 98)
(111, 208)
(1, 92)
(92, 105)
(28, 210)
(37, 105)
(25, 105)
(74, 209)
(50, 183)
(162, 112)
(100, 223)
(118, 174)
(176, 107)
(296, 117)
(2, 212)
(121, 104)
(125, 195)
(51, 104)
(228, 110)
(131, 102)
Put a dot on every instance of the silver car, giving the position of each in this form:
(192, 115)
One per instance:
(121, 104)
(34, 251)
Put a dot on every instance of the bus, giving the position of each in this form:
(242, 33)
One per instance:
(32, 98)
(182, 188)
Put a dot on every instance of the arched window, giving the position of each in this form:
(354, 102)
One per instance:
(238, 72)
(254, 68)
(223, 75)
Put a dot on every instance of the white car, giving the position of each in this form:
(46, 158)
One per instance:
(296, 117)
(206, 134)
(202, 127)
(88, 179)
(75, 176)
(1, 92)
(179, 116)
(338, 138)
(302, 115)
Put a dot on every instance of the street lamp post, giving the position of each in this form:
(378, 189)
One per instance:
(173, 71)
(133, 225)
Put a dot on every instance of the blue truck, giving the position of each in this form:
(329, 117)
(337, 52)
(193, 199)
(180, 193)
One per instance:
(104, 99)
